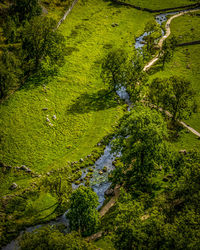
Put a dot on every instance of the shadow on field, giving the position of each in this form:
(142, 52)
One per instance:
(114, 4)
(101, 100)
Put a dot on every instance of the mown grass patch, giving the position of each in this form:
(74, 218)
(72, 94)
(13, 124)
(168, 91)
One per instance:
(185, 63)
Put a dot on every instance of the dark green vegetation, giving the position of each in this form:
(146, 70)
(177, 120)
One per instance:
(159, 202)
(83, 215)
(173, 94)
(63, 103)
(122, 70)
(51, 238)
(144, 147)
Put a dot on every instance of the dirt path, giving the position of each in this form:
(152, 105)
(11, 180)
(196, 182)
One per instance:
(163, 38)
(111, 202)
(155, 59)
(180, 122)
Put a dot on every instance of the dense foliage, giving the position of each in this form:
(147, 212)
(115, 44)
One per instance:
(159, 205)
(83, 214)
(51, 238)
(141, 139)
(174, 94)
(33, 45)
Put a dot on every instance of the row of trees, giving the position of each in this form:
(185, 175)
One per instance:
(33, 46)
(174, 94)
(151, 214)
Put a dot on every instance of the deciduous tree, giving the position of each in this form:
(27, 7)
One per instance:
(9, 72)
(141, 139)
(83, 214)
(43, 46)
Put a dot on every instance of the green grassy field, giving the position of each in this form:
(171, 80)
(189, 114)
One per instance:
(186, 63)
(76, 96)
(157, 4)
(85, 113)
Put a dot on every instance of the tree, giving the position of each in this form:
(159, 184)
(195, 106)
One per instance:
(159, 92)
(51, 238)
(172, 221)
(120, 70)
(43, 46)
(181, 103)
(113, 68)
(9, 72)
(83, 214)
(168, 50)
(153, 32)
(135, 78)
(141, 139)
(174, 94)
(10, 30)
(26, 9)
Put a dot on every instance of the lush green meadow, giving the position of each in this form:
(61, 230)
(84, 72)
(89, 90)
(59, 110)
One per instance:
(186, 63)
(77, 96)
(85, 111)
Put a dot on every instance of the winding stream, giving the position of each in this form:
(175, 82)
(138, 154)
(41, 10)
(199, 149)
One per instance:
(160, 19)
(99, 182)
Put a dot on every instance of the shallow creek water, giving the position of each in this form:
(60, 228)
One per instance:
(160, 19)
(99, 182)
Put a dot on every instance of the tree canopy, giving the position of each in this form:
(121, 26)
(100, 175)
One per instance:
(141, 139)
(43, 46)
(51, 238)
(83, 214)
(26, 9)
(9, 72)
(174, 94)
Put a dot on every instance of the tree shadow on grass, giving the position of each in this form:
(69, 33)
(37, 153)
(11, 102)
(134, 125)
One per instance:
(114, 4)
(101, 100)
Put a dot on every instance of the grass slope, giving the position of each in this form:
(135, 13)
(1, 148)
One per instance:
(75, 96)
(186, 63)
